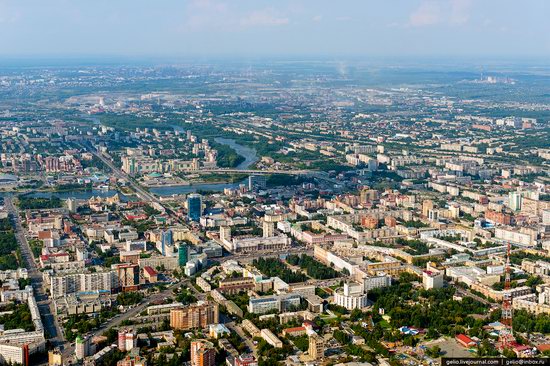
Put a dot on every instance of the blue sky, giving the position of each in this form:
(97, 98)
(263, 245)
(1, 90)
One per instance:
(518, 28)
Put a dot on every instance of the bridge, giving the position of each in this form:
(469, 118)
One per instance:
(254, 171)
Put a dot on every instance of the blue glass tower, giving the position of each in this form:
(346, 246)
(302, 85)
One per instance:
(194, 206)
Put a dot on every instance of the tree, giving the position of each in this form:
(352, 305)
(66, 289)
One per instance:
(434, 351)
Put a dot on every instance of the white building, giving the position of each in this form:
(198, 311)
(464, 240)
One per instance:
(432, 279)
(352, 296)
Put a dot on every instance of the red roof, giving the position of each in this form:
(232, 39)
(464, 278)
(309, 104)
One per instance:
(150, 271)
(47, 256)
(464, 339)
(295, 329)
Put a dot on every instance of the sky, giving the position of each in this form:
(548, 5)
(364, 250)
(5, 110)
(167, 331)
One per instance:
(333, 28)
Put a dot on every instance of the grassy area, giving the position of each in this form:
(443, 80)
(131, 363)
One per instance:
(36, 203)
(19, 318)
(8, 246)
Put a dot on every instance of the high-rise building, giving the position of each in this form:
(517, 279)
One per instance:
(194, 206)
(257, 182)
(515, 200)
(167, 237)
(127, 339)
(183, 254)
(128, 276)
(427, 205)
(268, 229)
(316, 350)
(82, 347)
(72, 204)
(203, 353)
(194, 316)
(225, 233)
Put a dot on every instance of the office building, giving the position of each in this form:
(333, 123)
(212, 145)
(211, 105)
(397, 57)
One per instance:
(194, 206)
(257, 182)
(183, 254)
(352, 296)
(281, 303)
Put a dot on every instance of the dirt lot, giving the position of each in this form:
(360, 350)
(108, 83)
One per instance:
(450, 347)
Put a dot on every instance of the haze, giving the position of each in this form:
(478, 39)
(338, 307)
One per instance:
(264, 28)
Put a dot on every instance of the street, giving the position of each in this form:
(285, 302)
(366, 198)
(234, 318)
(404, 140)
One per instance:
(44, 303)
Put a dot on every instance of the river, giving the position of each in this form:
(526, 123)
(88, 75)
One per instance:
(82, 195)
(249, 154)
(213, 187)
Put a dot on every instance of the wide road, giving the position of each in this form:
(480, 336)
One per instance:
(143, 194)
(45, 305)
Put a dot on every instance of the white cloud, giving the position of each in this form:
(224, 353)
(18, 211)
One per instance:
(8, 14)
(317, 18)
(204, 15)
(343, 19)
(428, 13)
(434, 12)
(460, 11)
(263, 18)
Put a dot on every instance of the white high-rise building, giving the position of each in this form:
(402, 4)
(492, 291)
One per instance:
(268, 229)
(515, 200)
(352, 296)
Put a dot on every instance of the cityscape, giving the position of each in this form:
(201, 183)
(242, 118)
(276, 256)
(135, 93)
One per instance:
(274, 210)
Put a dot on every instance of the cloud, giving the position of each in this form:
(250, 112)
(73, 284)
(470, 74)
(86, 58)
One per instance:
(317, 18)
(428, 13)
(263, 18)
(206, 14)
(460, 11)
(208, 5)
(8, 14)
(434, 12)
(343, 19)
(216, 15)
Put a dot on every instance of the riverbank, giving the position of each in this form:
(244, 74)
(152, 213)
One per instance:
(250, 155)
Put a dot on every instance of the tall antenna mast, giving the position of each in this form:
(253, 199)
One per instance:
(506, 335)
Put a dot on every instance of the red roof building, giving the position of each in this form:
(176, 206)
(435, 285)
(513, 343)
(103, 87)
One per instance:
(465, 341)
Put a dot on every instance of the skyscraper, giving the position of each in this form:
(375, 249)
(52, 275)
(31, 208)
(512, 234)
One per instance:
(257, 182)
(194, 206)
(183, 254)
